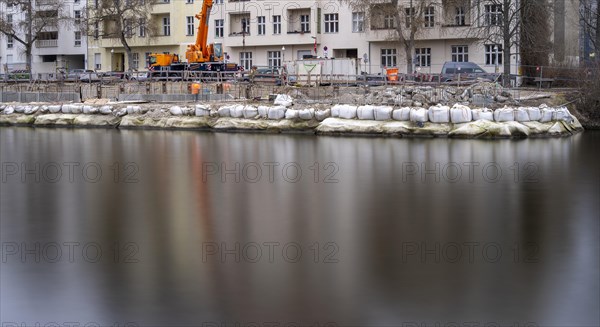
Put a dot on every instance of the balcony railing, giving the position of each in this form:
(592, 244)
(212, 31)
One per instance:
(46, 43)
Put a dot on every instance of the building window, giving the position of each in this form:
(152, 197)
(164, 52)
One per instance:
(77, 39)
(493, 54)
(75, 1)
(276, 24)
(96, 4)
(274, 59)
(331, 23)
(147, 58)
(389, 21)
(246, 60)
(166, 26)
(10, 40)
(97, 61)
(429, 16)
(410, 15)
(219, 23)
(136, 60)
(142, 23)
(358, 22)
(388, 57)
(77, 16)
(189, 1)
(96, 30)
(261, 26)
(9, 19)
(128, 28)
(189, 22)
(218, 2)
(460, 53)
(423, 57)
(305, 23)
(492, 15)
(246, 25)
(460, 17)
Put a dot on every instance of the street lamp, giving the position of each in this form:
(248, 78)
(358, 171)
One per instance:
(112, 54)
(283, 55)
(496, 57)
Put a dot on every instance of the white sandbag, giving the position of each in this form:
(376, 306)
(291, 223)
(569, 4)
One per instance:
(547, 114)
(30, 110)
(347, 111)
(283, 100)
(535, 114)
(484, 113)
(276, 112)
(306, 114)
(521, 115)
(202, 110)
(365, 113)
(321, 115)
(121, 112)
(291, 114)
(76, 109)
(335, 110)
(9, 110)
(561, 113)
(133, 109)
(54, 109)
(236, 111)
(224, 111)
(250, 112)
(175, 110)
(504, 114)
(402, 114)
(439, 114)
(382, 112)
(20, 109)
(88, 110)
(460, 114)
(105, 110)
(263, 111)
(418, 114)
(44, 109)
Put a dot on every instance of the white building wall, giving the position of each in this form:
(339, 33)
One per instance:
(67, 54)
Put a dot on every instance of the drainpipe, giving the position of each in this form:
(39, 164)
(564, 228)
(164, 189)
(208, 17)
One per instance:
(369, 63)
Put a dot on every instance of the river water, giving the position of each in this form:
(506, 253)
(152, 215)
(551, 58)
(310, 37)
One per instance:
(148, 228)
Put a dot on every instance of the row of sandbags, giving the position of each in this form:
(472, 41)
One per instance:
(455, 114)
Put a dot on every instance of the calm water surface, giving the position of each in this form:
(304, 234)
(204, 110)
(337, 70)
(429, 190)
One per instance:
(149, 228)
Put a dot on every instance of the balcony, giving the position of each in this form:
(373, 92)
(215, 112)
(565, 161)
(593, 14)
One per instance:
(46, 43)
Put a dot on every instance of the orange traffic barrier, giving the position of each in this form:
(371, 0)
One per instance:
(392, 74)
(196, 88)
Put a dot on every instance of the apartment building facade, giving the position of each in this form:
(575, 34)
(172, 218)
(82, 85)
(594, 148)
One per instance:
(268, 33)
(59, 46)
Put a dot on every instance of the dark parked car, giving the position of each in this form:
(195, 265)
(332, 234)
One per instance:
(265, 75)
(466, 70)
(372, 80)
(19, 75)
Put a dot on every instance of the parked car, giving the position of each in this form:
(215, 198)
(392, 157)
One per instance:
(372, 80)
(467, 71)
(83, 75)
(20, 74)
(265, 75)
(138, 76)
(113, 76)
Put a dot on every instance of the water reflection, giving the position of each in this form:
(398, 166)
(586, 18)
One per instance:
(394, 215)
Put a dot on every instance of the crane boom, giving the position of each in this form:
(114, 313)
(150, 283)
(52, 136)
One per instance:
(201, 51)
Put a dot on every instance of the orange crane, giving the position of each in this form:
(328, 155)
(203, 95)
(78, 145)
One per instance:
(200, 56)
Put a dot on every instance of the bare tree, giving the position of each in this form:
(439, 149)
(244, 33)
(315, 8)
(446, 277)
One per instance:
(121, 20)
(589, 12)
(405, 20)
(27, 21)
(511, 24)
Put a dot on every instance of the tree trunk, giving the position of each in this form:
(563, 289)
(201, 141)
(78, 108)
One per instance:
(506, 42)
(128, 52)
(409, 59)
(597, 42)
(29, 39)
